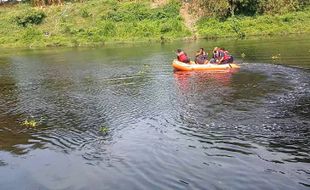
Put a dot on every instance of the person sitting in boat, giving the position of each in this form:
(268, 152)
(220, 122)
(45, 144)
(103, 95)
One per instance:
(224, 56)
(201, 57)
(182, 56)
(215, 58)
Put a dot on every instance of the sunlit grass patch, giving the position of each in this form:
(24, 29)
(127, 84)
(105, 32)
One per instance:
(91, 23)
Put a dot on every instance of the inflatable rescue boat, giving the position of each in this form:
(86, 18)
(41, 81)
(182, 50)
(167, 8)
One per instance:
(201, 67)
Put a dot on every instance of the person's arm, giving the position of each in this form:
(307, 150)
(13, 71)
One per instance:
(221, 60)
(221, 55)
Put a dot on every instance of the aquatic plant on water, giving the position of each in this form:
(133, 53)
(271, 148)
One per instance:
(276, 56)
(104, 130)
(243, 55)
(30, 123)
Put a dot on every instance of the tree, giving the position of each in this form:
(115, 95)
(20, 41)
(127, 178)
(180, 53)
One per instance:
(244, 7)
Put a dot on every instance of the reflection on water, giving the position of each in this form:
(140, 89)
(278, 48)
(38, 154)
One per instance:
(244, 129)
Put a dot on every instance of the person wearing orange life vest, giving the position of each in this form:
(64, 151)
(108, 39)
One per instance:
(182, 56)
(224, 56)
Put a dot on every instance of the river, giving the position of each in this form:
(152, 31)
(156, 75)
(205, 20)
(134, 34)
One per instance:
(166, 130)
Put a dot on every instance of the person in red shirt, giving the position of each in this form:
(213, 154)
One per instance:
(182, 56)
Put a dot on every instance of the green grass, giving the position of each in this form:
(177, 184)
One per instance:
(97, 22)
(290, 23)
(92, 23)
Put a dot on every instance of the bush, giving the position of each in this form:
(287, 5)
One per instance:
(236, 27)
(224, 8)
(31, 17)
(279, 6)
(166, 28)
(296, 22)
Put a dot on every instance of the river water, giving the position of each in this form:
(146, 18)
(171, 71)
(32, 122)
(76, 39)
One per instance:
(248, 129)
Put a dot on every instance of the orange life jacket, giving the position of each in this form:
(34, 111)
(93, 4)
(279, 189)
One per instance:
(182, 57)
(226, 55)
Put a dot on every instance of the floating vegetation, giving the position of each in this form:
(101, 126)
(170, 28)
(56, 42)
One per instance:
(276, 56)
(30, 123)
(243, 55)
(104, 130)
(144, 69)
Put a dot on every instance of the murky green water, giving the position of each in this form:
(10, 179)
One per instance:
(167, 130)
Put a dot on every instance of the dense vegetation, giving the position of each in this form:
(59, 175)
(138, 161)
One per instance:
(227, 8)
(244, 26)
(241, 18)
(37, 23)
(90, 23)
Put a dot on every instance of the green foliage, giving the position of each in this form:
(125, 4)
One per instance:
(244, 7)
(218, 8)
(243, 55)
(165, 28)
(30, 17)
(104, 130)
(278, 6)
(235, 25)
(96, 22)
(226, 8)
(85, 13)
(109, 29)
(114, 16)
(129, 12)
(30, 123)
(295, 22)
(31, 34)
(91, 23)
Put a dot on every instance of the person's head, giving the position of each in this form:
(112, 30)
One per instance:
(179, 50)
(223, 49)
(215, 49)
(201, 49)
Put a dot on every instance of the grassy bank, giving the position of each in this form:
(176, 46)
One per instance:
(90, 23)
(98, 22)
(290, 23)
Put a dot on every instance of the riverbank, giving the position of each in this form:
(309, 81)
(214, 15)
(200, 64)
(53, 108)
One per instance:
(97, 23)
(263, 25)
(91, 23)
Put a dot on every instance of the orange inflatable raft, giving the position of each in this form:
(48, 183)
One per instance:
(202, 67)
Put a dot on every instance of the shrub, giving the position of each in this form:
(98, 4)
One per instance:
(31, 17)
(166, 28)
(278, 6)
